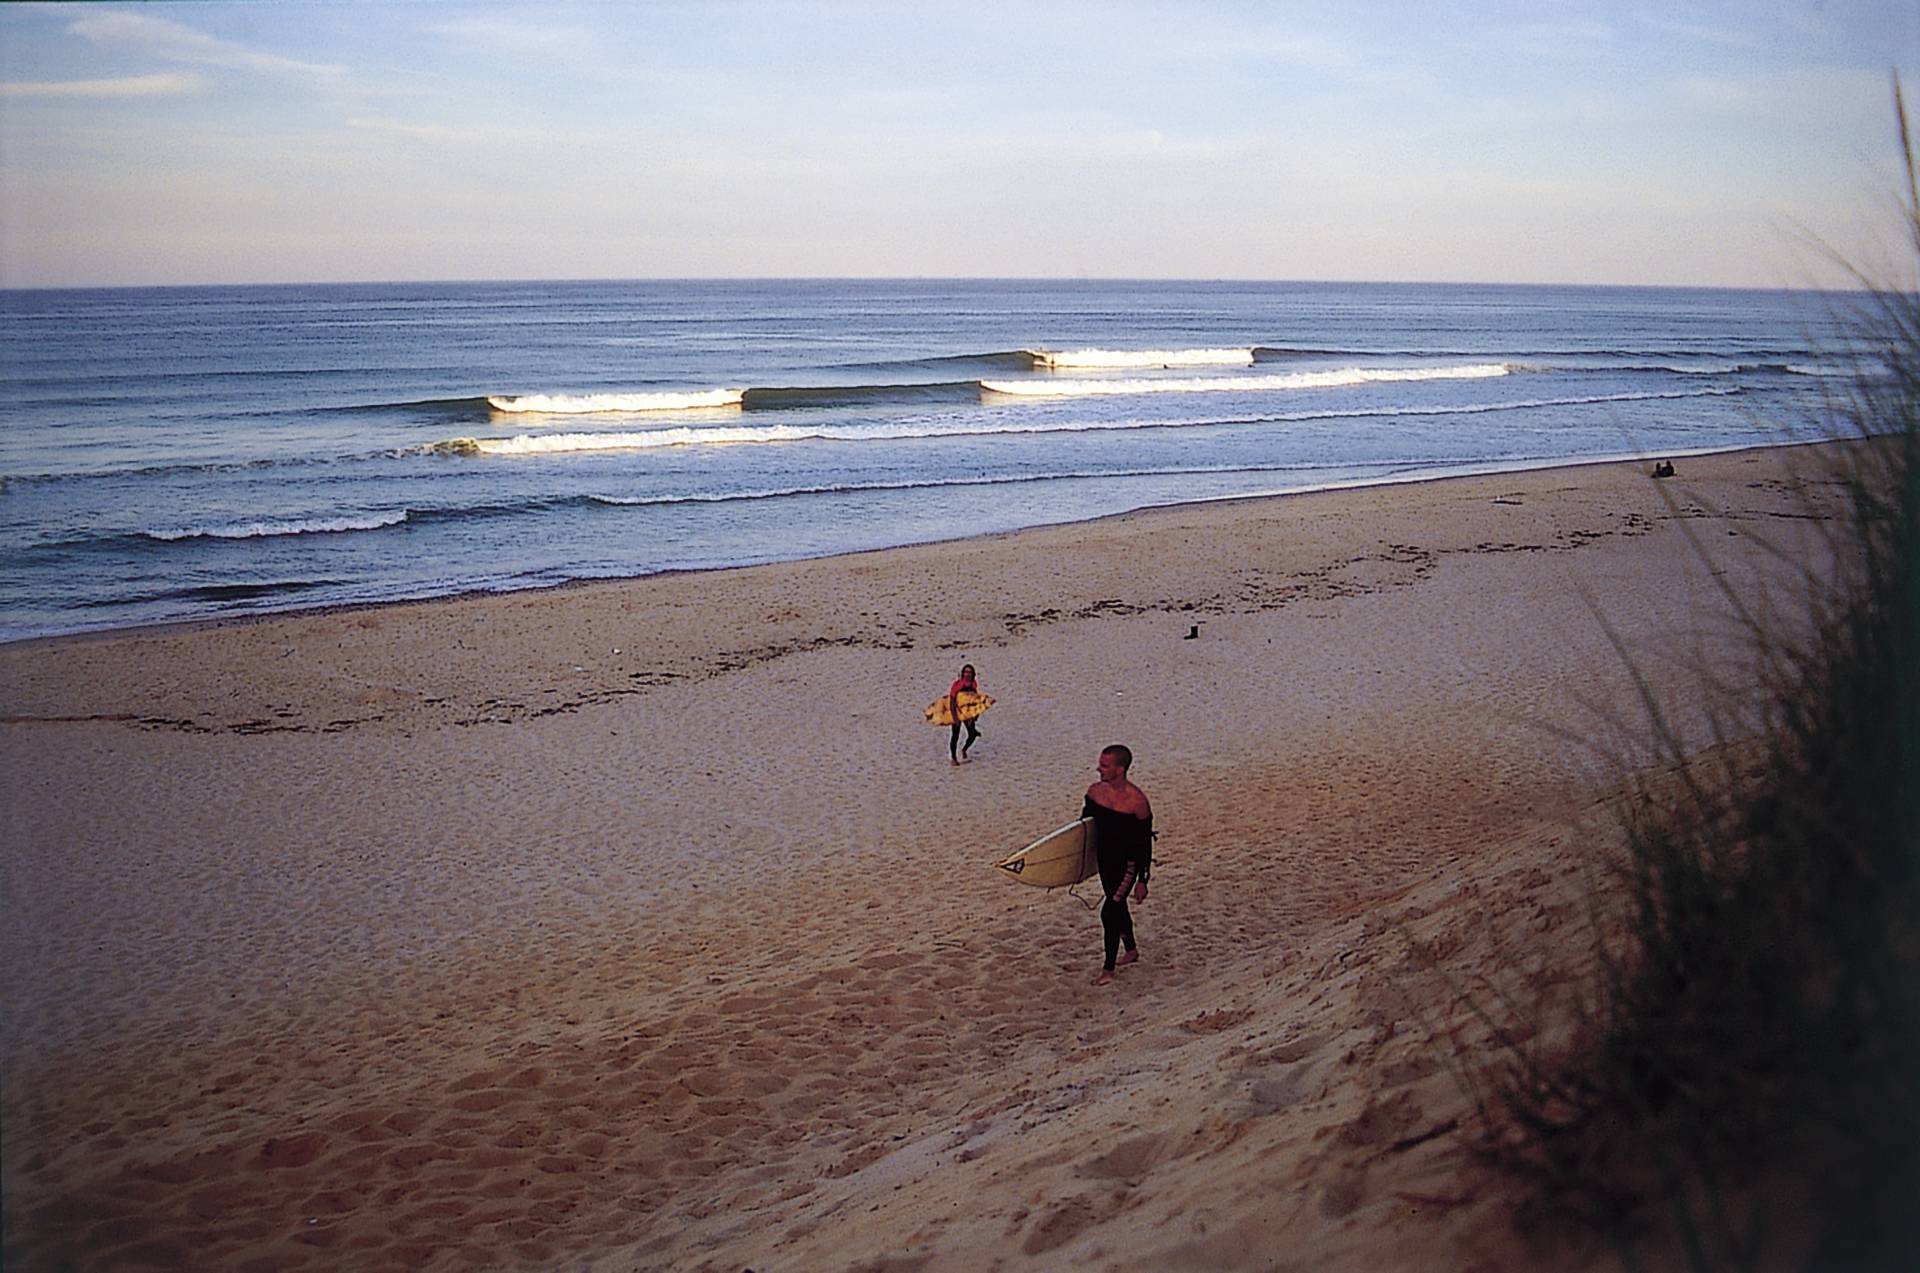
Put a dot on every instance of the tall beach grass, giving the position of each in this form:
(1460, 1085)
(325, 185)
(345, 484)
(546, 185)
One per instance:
(1744, 1091)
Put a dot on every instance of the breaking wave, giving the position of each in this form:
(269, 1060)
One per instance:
(1142, 358)
(734, 435)
(269, 528)
(607, 403)
(1243, 384)
(555, 443)
(770, 398)
(1093, 360)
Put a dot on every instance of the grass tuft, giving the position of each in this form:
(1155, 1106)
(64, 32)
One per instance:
(1746, 1089)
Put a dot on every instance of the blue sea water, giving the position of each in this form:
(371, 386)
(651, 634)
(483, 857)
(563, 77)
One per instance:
(187, 453)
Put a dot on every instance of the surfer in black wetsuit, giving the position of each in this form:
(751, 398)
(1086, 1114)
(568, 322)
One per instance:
(1123, 845)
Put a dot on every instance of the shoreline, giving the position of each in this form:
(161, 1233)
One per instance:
(645, 924)
(1360, 484)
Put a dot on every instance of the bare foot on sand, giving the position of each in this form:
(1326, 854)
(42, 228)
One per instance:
(1127, 958)
(1106, 975)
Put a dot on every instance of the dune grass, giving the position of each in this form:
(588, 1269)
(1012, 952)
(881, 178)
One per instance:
(1744, 1091)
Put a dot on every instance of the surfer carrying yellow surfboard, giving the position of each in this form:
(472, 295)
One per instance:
(960, 705)
(1123, 845)
(967, 684)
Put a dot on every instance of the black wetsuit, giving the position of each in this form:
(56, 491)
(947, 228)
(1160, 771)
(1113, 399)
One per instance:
(1123, 846)
(954, 749)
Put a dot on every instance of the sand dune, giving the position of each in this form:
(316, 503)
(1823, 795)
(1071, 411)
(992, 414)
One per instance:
(645, 925)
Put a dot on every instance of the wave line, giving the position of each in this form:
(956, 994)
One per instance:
(622, 403)
(1141, 358)
(564, 443)
(1243, 384)
(1010, 479)
(269, 529)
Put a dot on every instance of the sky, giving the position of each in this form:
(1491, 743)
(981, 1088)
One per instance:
(1715, 144)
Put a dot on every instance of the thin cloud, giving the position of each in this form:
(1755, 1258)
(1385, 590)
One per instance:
(438, 134)
(1716, 93)
(1572, 40)
(1725, 37)
(1205, 40)
(1338, 62)
(177, 43)
(509, 35)
(106, 90)
(1794, 97)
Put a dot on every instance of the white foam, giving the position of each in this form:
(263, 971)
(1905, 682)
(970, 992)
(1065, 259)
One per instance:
(782, 492)
(264, 529)
(1829, 371)
(551, 443)
(1143, 357)
(606, 403)
(1051, 388)
(969, 426)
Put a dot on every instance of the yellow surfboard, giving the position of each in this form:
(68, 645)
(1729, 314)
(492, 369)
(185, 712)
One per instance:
(1058, 858)
(972, 703)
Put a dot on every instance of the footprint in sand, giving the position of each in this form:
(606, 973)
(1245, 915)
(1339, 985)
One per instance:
(1129, 1161)
(1060, 1226)
(1382, 1121)
(1294, 1050)
(1270, 1096)
(282, 1152)
(1343, 1193)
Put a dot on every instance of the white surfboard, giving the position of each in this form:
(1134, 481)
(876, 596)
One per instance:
(1058, 858)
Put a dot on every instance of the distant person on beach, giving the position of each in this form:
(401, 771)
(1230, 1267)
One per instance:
(1123, 844)
(966, 684)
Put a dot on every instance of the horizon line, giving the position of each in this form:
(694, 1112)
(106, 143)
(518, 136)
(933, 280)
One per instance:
(916, 278)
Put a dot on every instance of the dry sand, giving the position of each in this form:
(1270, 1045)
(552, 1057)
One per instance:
(645, 925)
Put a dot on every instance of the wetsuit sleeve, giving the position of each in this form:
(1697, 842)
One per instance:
(1086, 807)
(1146, 850)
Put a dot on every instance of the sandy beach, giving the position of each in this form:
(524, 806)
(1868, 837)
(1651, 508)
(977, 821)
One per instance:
(645, 925)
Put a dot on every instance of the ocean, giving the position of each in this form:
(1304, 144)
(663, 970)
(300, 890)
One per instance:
(188, 453)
